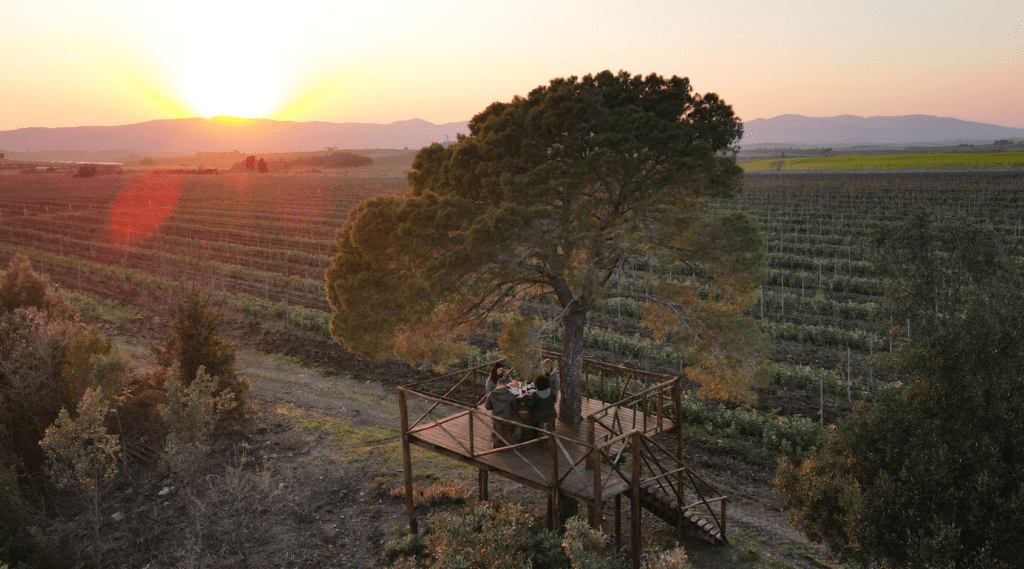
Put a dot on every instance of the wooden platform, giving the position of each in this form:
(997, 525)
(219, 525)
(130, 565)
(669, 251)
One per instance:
(531, 463)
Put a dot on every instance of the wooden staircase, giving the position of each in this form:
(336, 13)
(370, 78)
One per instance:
(658, 497)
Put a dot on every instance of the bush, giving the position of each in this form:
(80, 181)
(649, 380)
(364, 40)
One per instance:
(195, 342)
(485, 535)
(34, 383)
(190, 414)
(86, 171)
(21, 287)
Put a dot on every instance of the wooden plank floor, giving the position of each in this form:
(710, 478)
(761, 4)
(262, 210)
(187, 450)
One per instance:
(530, 464)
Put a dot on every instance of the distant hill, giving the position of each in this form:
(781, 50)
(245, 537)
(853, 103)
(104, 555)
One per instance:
(224, 134)
(849, 129)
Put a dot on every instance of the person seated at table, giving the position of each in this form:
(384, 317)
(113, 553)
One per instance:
(552, 372)
(497, 370)
(502, 405)
(542, 403)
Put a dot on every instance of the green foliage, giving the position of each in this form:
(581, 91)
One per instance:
(671, 559)
(793, 435)
(409, 545)
(522, 339)
(79, 451)
(45, 364)
(21, 287)
(190, 413)
(584, 545)
(482, 536)
(931, 477)
(195, 342)
(550, 196)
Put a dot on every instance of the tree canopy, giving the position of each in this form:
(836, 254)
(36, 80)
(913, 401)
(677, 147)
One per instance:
(530, 219)
(932, 477)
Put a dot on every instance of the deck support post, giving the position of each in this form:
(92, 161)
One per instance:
(597, 501)
(680, 476)
(555, 505)
(635, 541)
(482, 478)
(724, 502)
(410, 506)
(618, 522)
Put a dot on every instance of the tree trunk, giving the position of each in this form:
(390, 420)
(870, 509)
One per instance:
(571, 373)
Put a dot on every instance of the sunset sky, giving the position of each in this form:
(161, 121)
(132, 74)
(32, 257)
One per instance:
(107, 62)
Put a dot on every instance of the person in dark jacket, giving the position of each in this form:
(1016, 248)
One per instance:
(502, 405)
(542, 403)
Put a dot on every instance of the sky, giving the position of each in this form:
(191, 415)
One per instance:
(108, 62)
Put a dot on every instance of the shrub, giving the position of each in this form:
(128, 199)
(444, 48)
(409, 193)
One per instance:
(81, 454)
(486, 535)
(86, 171)
(190, 414)
(195, 342)
(583, 545)
(34, 352)
(21, 287)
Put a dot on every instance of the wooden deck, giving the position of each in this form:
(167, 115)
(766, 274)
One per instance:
(531, 463)
(615, 450)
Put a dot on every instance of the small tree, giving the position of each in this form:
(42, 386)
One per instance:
(82, 455)
(262, 167)
(195, 341)
(250, 163)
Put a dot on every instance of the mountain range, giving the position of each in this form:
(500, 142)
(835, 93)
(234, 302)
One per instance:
(224, 134)
(171, 137)
(851, 130)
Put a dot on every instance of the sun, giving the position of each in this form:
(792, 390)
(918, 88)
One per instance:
(234, 70)
(242, 91)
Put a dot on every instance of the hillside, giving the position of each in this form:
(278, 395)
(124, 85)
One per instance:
(850, 129)
(175, 137)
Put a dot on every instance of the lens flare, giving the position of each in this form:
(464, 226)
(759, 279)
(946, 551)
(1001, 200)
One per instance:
(142, 207)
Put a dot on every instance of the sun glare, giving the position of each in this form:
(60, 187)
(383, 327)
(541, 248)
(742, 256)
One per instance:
(231, 92)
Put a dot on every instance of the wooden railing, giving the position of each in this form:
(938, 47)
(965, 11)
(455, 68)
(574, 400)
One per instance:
(460, 393)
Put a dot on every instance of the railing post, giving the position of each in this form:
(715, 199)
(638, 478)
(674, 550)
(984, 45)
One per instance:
(472, 452)
(595, 464)
(410, 506)
(635, 541)
(661, 405)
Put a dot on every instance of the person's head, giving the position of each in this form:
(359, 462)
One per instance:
(541, 382)
(548, 366)
(501, 381)
(497, 370)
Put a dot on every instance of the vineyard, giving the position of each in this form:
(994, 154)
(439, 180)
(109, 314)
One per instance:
(892, 161)
(262, 242)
